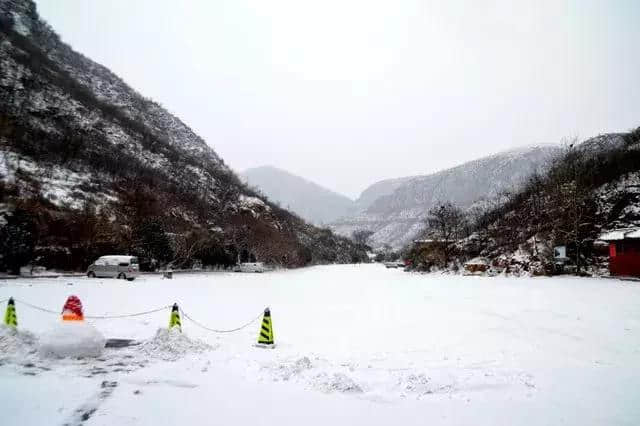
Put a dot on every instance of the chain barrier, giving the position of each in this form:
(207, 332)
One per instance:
(213, 330)
(137, 314)
(39, 308)
(49, 311)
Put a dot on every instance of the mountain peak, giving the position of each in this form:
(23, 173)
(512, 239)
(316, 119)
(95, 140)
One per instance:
(395, 209)
(311, 201)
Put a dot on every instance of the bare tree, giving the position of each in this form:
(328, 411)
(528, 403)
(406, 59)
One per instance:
(573, 199)
(445, 223)
(361, 236)
(537, 198)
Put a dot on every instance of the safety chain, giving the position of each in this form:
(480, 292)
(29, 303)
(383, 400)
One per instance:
(213, 330)
(39, 308)
(137, 314)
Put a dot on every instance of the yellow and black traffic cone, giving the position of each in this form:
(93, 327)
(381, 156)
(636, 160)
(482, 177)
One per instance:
(10, 316)
(265, 337)
(174, 319)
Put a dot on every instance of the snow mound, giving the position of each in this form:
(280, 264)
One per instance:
(72, 339)
(320, 377)
(171, 345)
(336, 382)
(16, 344)
(288, 370)
(419, 384)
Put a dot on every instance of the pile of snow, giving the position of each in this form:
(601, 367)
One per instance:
(16, 344)
(72, 339)
(336, 382)
(286, 371)
(320, 375)
(171, 345)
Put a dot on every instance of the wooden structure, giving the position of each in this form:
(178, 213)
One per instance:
(624, 251)
(478, 265)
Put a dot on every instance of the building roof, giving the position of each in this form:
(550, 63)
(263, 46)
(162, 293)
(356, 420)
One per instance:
(621, 234)
(478, 261)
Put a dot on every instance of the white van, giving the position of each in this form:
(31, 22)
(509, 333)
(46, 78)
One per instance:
(122, 267)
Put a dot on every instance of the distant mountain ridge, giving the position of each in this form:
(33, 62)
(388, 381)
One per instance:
(397, 214)
(378, 190)
(309, 200)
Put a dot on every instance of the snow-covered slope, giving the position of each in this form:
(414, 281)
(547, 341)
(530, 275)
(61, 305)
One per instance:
(309, 200)
(397, 214)
(379, 189)
(79, 146)
(393, 348)
(590, 189)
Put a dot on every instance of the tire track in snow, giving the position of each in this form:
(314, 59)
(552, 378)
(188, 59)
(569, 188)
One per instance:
(88, 408)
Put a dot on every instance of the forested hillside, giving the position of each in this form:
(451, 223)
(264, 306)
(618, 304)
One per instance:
(590, 188)
(88, 166)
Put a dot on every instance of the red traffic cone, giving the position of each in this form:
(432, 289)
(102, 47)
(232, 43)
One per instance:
(72, 309)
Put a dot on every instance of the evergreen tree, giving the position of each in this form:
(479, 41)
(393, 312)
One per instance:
(18, 239)
(152, 242)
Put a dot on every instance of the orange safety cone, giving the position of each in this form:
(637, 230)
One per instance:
(72, 309)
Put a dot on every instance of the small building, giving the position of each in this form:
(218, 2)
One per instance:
(624, 251)
(478, 265)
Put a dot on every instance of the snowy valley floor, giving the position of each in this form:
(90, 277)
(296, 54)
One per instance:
(356, 345)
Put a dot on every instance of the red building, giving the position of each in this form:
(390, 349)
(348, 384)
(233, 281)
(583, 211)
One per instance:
(624, 251)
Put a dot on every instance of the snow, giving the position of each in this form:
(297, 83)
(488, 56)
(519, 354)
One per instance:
(72, 339)
(19, 26)
(58, 184)
(15, 344)
(248, 201)
(356, 344)
(612, 236)
(172, 344)
(478, 261)
(620, 234)
(116, 258)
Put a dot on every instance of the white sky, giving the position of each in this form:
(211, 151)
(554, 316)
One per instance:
(346, 93)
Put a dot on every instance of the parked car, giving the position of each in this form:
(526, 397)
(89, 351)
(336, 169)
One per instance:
(121, 267)
(393, 265)
(250, 267)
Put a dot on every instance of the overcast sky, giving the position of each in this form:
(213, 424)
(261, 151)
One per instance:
(346, 93)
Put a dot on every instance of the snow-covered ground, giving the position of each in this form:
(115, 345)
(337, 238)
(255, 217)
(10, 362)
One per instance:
(355, 345)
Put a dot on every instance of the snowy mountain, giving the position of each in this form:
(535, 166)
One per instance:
(590, 188)
(309, 200)
(379, 189)
(397, 214)
(88, 166)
